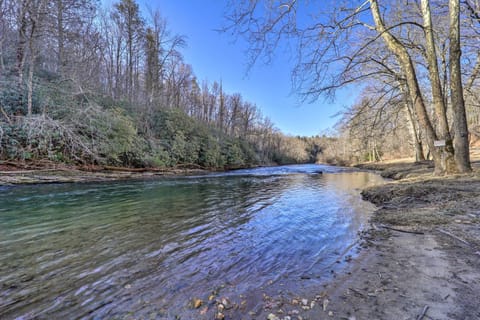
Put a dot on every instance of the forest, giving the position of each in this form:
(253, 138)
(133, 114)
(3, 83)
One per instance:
(86, 85)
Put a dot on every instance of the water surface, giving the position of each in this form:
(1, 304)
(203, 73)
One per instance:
(146, 248)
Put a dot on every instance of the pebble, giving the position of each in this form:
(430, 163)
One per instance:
(305, 302)
(325, 304)
(226, 303)
(219, 316)
(330, 313)
(271, 316)
(197, 303)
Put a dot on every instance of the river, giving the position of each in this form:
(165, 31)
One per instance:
(145, 249)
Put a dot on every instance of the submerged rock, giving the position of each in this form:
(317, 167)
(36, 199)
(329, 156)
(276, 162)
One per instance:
(271, 316)
(197, 303)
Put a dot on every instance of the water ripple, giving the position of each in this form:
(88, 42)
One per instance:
(108, 250)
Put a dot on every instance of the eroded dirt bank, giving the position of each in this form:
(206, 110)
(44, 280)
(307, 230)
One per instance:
(39, 173)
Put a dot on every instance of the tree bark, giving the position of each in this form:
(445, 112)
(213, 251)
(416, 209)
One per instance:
(443, 131)
(35, 12)
(418, 147)
(22, 43)
(60, 38)
(416, 97)
(462, 152)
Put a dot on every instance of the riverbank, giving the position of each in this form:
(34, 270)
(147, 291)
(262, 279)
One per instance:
(421, 258)
(49, 172)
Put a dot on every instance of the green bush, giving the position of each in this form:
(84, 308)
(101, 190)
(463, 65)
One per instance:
(111, 135)
(188, 141)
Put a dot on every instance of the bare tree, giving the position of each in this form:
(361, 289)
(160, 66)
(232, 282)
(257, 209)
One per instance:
(332, 51)
(5, 7)
(69, 26)
(36, 15)
(22, 25)
(462, 152)
(127, 15)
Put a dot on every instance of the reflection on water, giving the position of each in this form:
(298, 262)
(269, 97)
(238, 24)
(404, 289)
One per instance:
(146, 248)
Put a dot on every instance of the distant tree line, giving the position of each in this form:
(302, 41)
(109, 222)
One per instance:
(82, 84)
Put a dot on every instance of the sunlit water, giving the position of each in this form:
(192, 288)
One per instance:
(145, 249)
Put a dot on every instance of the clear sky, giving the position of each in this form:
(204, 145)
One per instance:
(215, 56)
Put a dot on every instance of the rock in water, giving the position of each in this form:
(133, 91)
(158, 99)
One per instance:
(197, 303)
(271, 316)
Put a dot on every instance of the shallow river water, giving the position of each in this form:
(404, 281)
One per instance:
(144, 249)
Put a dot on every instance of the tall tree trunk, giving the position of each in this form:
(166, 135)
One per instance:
(443, 131)
(61, 38)
(462, 152)
(118, 68)
(21, 56)
(34, 14)
(2, 36)
(31, 66)
(130, 31)
(418, 147)
(416, 97)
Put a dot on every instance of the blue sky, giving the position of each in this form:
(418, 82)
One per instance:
(215, 56)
